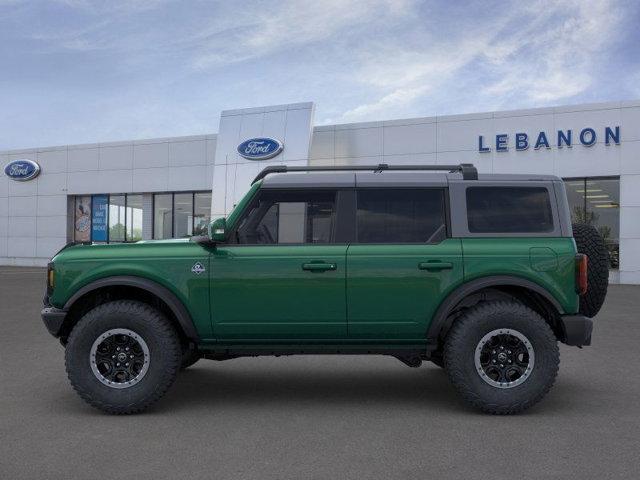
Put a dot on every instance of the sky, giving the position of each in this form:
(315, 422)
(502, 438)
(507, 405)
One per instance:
(80, 71)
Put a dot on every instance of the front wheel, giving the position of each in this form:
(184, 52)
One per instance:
(122, 356)
(502, 357)
(189, 357)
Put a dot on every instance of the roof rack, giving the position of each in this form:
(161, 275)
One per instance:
(469, 172)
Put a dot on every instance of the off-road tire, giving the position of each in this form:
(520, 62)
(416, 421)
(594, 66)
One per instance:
(590, 242)
(164, 351)
(437, 359)
(464, 337)
(189, 357)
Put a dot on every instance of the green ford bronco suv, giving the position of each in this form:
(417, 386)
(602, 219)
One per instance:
(480, 274)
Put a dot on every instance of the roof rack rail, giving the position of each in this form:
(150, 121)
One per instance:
(469, 172)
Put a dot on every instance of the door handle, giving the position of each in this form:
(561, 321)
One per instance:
(435, 266)
(319, 266)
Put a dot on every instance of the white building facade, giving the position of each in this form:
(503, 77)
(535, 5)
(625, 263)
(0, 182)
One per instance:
(171, 187)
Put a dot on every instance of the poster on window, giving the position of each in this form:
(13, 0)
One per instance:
(99, 208)
(82, 223)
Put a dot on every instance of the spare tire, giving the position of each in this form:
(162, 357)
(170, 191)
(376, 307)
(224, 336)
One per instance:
(590, 242)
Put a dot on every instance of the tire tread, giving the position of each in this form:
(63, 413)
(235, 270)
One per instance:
(455, 370)
(164, 330)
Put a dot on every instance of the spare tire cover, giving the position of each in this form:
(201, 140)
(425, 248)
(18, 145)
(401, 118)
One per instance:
(590, 242)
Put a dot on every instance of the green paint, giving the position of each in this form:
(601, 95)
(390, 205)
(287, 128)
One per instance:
(319, 294)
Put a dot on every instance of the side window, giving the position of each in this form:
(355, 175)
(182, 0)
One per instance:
(285, 217)
(401, 216)
(509, 210)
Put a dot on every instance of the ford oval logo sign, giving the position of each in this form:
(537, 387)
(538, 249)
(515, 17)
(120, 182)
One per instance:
(260, 148)
(22, 170)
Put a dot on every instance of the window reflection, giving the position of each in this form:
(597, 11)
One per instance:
(134, 218)
(182, 215)
(201, 212)
(596, 202)
(162, 215)
(117, 218)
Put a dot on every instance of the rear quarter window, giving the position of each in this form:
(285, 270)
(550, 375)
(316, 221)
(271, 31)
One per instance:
(509, 210)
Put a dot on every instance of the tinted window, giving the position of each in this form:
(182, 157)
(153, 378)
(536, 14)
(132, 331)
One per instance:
(509, 210)
(289, 217)
(401, 216)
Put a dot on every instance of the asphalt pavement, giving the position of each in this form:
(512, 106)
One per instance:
(317, 417)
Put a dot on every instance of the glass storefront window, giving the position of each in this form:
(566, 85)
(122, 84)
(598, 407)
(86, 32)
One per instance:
(134, 218)
(105, 218)
(182, 215)
(596, 202)
(201, 212)
(117, 218)
(162, 215)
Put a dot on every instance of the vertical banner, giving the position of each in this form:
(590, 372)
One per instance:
(99, 214)
(82, 220)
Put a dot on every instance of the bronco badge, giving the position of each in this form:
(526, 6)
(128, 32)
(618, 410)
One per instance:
(198, 268)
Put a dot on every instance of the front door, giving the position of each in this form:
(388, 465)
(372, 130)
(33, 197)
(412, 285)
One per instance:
(401, 264)
(281, 276)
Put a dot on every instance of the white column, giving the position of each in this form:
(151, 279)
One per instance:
(291, 124)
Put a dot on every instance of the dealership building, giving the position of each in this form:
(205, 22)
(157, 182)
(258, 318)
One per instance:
(171, 187)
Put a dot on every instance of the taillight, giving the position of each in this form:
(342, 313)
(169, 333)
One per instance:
(581, 273)
(51, 278)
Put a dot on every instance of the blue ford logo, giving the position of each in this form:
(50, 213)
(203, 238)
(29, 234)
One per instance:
(22, 170)
(260, 148)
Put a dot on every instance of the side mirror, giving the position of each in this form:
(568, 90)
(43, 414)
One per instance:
(218, 230)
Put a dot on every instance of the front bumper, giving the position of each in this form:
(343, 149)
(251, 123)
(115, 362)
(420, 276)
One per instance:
(53, 319)
(577, 330)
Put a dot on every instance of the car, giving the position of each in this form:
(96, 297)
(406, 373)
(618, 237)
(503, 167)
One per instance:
(480, 274)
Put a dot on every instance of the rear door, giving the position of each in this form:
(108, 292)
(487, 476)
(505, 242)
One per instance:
(401, 263)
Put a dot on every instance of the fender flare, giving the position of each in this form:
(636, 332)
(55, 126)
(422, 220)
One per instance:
(167, 296)
(468, 288)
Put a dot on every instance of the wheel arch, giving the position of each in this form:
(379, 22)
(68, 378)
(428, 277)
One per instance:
(517, 287)
(116, 287)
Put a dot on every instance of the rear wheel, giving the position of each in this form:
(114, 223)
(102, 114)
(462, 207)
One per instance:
(437, 359)
(122, 356)
(502, 357)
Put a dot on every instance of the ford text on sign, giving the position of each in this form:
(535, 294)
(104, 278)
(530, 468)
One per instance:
(260, 148)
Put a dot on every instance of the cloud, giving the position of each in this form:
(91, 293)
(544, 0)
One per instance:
(258, 32)
(555, 63)
(542, 52)
(129, 69)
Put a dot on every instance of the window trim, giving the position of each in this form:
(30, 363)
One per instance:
(458, 198)
(445, 205)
